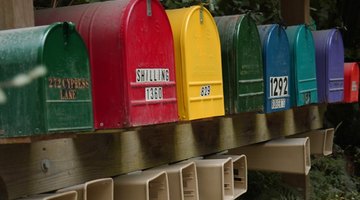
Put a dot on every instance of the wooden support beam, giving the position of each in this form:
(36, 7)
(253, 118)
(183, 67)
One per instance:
(44, 166)
(290, 155)
(16, 14)
(321, 141)
(295, 12)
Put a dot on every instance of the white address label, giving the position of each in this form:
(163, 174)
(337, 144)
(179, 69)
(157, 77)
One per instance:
(205, 90)
(307, 97)
(152, 75)
(279, 86)
(278, 103)
(153, 93)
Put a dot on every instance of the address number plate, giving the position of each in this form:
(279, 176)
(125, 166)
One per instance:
(279, 86)
(153, 93)
(205, 90)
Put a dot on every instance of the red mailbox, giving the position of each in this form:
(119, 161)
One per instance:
(132, 60)
(351, 82)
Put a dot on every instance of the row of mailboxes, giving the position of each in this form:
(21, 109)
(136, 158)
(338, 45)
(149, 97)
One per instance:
(132, 75)
(276, 68)
(151, 66)
(131, 57)
(133, 61)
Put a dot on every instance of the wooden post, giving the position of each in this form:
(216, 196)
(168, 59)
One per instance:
(300, 181)
(295, 12)
(16, 14)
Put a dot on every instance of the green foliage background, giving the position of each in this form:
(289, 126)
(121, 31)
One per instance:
(343, 14)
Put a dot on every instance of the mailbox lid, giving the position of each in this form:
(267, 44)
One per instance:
(37, 108)
(198, 63)
(23, 112)
(329, 62)
(242, 64)
(303, 65)
(120, 101)
(67, 60)
(150, 65)
(276, 61)
(351, 82)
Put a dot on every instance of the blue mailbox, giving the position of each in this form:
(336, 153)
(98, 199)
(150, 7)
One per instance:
(303, 66)
(276, 58)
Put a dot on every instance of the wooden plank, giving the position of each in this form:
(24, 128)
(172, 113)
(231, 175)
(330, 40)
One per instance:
(16, 14)
(36, 138)
(31, 139)
(90, 156)
(295, 12)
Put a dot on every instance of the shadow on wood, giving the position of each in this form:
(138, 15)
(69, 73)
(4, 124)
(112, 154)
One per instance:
(3, 190)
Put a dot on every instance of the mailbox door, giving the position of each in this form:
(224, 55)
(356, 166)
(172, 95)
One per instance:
(150, 65)
(321, 72)
(250, 89)
(198, 63)
(59, 101)
(351, 82)
(276, 59)
(202, 54)
(241, 64)
(67, 84)
(303, 65)
(329, 65)
(335, 66)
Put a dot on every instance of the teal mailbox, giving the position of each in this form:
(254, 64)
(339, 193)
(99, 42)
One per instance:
(303, 66)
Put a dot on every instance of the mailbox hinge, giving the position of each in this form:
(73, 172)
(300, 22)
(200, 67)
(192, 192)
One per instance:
(148, 8)
(201, 13)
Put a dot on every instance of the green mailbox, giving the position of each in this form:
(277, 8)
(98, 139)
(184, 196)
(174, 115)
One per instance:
(58, 101)
(242, 64)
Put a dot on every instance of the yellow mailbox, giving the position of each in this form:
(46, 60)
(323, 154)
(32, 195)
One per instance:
(198, 63)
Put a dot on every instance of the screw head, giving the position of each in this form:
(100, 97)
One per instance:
(45, 165)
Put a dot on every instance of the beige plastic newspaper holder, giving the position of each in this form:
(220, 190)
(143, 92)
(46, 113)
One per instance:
(321, 141)
(94, 190)
(147, 185)
(290, 155)
(183, 182)
(239, 172)
(215, 177)
(70, 195)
